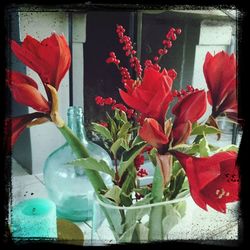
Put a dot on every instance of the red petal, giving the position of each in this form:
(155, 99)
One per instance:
(132, 101)
(207, 174)
(24, 90)
(27, 57)
(152, 132)
(220, 75)
(55, 52)
(151, 79)
(191, 107)
(181, 132)
(50, 59)
(15, 126)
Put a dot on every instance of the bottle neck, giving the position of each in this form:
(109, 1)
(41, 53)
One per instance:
(75, 123)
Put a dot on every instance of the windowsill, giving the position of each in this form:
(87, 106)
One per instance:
(196, 225)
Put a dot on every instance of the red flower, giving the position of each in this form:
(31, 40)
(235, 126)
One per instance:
(152, 132)
(220, 75)
(16, 125)
(213, 180)
(152, 96)
(187, 111)
(25, 91)
(50, 58)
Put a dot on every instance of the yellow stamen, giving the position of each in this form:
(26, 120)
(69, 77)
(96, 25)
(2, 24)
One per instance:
(54, 114)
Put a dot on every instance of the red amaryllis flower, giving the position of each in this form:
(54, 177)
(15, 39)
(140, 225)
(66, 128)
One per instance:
(25, 91)
(152, 132)
(213, 180)
(16, 125)
(187, 110)
(220, 75)
(50, 58)
(151, 96)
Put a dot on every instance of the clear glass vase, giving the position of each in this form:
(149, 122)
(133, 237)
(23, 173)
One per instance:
(113, 224)
(67, 185)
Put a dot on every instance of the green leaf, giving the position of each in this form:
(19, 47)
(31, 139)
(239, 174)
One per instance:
(114, 194)
(125, 144)
(129, 156)
(212, 147)
(130, 177)
(170, 221)
(133, 215)
(206, 129)
(179, 180)
(157, 185)
(182, 194)
(230, 147)
(116, 145)
(121, 115)
(127, 236)
(91, 163)
(101, 130)
(152, 156)
(156, 229)
(176, 167)
(181, 208)
(113, 216)
(124, 129)
(137, 140)
(187, 149)
(204, 148)
(126, 200)
(113, 126)
(142, 232)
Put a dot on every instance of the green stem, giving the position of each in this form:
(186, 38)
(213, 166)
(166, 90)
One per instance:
(81, 152)
(155, 217)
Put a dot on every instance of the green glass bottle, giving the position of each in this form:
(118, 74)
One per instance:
(67, 185)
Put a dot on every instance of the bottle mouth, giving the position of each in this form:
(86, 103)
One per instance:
(75, 110)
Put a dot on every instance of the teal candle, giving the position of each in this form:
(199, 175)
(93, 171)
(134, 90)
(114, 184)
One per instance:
(34, 218)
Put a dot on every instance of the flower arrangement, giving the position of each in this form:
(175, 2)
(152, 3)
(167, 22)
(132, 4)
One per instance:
(138, 130)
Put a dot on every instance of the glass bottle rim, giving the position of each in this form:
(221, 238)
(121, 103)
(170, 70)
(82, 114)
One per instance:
(141, 206)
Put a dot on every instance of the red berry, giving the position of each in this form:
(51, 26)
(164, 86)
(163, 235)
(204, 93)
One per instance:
(178, 31)
(168, 44)
(165, 51)
(164, 42)
(120, 34)
(112, 54)
(160, 51)
(173, 37)
(127, 53)
(156, 58)
(169, 35)
(108, 101)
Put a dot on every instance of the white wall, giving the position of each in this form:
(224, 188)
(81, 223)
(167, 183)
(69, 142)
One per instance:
(46, 138)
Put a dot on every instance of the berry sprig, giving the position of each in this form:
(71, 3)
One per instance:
(170, 36)
(110, 101)
(180, 94)
(112, 59)
(129, 50)
(138, 161)
(142, 172)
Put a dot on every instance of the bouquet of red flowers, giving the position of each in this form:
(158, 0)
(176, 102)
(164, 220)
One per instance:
(139, 130)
